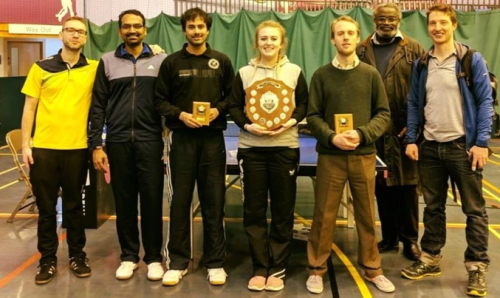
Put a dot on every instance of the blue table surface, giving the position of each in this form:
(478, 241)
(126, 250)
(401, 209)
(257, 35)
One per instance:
(308, 154)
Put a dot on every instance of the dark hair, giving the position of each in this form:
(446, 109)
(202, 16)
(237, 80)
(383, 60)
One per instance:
(131, 11)
(192, 14)
(444, 8)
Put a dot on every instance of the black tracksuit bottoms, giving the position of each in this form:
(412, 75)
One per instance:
(197, 156)
(137, 169)
(54, 169)
(269, 174)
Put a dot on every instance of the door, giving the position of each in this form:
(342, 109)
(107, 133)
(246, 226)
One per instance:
(21, 55)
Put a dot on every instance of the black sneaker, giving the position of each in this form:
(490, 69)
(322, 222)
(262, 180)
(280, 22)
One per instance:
(46, 272)
(80, 267)
(477, 281)
(420, 270)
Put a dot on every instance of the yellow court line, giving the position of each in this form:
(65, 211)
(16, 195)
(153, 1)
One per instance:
(485, 182)
(6, 171)
(491, 194)
(493, 231)
(496, 155)
(493, 162)
(8, 184)
(240, 219)
(363, 289)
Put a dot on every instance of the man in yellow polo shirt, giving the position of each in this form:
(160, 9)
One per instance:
(58, 94)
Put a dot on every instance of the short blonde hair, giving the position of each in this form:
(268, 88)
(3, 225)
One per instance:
(75, 18)
(345, 19)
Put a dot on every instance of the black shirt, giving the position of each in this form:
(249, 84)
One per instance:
(184, 78)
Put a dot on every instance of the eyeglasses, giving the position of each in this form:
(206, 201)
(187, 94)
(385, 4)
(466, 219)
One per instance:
(72, 31)
(129, 26)
(384, 19)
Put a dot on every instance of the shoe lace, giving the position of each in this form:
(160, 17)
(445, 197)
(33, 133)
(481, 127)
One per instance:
(476, 277)
(383, 279)
(419, 266)
(49, 267)
(315, 279)
(76, 263)
(215, 271)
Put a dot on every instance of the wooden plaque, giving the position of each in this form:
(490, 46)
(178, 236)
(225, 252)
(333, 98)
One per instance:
(201, 112)
(269, 103)
(343, 122)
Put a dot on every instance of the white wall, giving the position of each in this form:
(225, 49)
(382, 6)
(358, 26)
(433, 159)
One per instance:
(100, 12)
(52, 46)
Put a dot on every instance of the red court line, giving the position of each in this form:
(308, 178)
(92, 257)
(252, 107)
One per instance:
(25, 265)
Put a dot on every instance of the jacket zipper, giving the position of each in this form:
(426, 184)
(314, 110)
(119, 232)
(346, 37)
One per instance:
(133, 101)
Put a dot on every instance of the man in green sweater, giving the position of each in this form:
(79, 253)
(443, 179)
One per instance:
(346, 86)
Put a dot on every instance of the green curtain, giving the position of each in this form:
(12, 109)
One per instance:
(308, 33)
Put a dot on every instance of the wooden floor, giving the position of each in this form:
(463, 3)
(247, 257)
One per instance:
(20, 258)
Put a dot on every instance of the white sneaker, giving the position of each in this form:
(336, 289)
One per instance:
(155, 271)
(126, 270)
(382, 283)
(216, 276)
(173, 277)
(314, 284)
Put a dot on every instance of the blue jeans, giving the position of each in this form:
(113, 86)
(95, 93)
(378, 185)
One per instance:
(438, 162)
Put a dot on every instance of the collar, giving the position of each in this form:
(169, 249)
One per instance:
(146, 51)
(398, 35)
(208, 52)
(337, 64)
(431, 53)
(82, 61)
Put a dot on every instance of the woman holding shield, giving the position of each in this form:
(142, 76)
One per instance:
(269, 97)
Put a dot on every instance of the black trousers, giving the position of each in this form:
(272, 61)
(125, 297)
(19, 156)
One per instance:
(398, 212)
(137, 169)
(199, 157)
(54, 169)
(269, 174)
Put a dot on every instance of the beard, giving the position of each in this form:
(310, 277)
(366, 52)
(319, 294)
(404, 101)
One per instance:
(387, 33)
(72, 47)
(197, 43)
(133, 43)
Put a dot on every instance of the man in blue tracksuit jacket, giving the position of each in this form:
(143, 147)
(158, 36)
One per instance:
(123, 99)
(452, 127)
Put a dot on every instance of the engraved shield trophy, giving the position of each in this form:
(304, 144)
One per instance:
(269, 103)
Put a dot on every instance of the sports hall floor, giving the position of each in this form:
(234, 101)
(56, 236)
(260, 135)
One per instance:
(19, 257)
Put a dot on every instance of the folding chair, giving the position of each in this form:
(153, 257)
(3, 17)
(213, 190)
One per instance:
(14, 141)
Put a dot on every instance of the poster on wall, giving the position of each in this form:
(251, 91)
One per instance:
(46, 12)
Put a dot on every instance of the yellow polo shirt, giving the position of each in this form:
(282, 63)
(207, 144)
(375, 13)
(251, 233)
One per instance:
(64, 95)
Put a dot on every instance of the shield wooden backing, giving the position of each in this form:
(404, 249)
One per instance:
(269, 103)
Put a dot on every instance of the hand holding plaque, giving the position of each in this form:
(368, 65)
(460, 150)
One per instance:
(343, 122)
(201, 112)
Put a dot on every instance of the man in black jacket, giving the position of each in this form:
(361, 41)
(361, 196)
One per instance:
(123, 99)
(392, 53)
(195, 73)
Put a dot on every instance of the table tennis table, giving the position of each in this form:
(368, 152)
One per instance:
(307, 168)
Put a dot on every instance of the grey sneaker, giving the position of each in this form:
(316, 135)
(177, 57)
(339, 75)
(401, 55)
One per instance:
(477, 281)
(314, 284)
(382, 283)
(420, 270)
